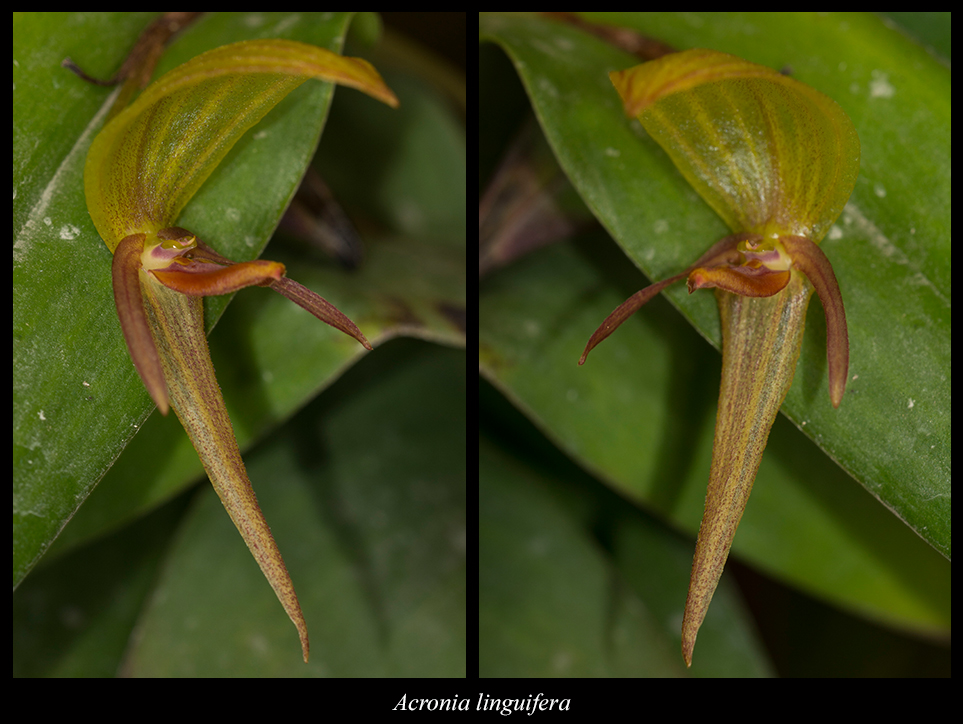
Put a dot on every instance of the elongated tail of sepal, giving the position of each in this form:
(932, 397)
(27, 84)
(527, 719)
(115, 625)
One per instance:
(761, 340)
(177, 324)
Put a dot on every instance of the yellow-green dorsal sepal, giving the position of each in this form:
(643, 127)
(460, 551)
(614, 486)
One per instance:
(149, 161)
(769, 154)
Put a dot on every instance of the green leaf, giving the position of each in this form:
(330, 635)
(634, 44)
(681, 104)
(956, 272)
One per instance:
(642, 420)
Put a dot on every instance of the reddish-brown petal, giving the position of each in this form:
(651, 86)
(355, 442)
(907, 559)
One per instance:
(198, 274)
(746, 281)
(319, 307)
(722, 252)
(195, 280)
(125, 270)
(811, 261)
(625, 310)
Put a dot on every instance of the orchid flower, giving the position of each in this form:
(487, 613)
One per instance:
(142, 169)
(777, 160)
